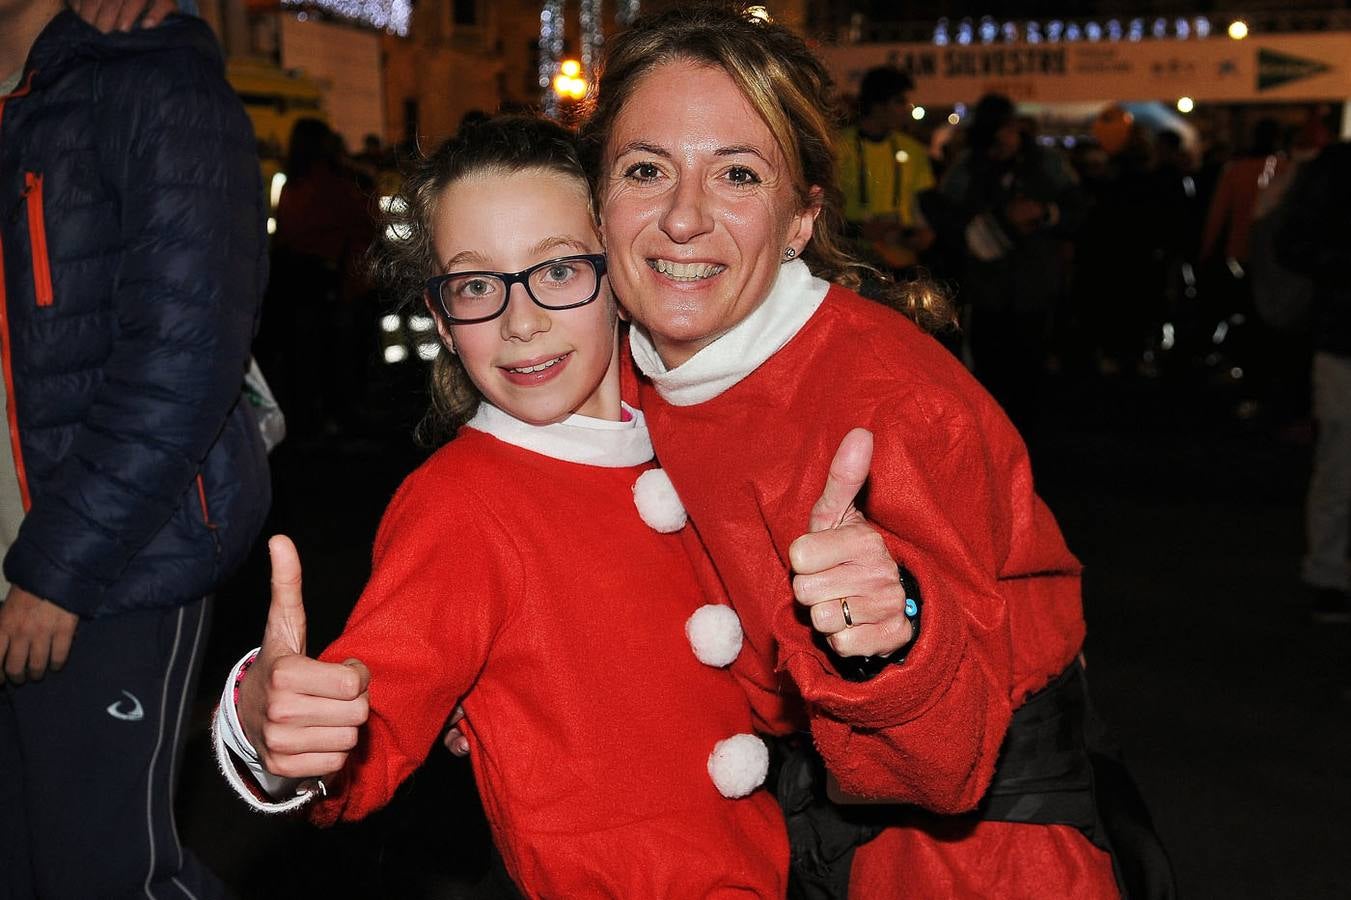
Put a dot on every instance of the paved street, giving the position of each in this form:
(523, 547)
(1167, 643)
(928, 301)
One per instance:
(1233, 709)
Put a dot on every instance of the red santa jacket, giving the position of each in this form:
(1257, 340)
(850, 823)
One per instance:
(531, 585)
(951, 492)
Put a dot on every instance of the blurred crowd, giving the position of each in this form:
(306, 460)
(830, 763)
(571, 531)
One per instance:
(1129, 253)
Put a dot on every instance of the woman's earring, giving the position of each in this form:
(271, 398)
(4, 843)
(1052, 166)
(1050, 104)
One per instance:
(789, 253)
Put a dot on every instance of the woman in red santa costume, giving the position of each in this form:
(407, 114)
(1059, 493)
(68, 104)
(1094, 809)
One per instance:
(959, 696)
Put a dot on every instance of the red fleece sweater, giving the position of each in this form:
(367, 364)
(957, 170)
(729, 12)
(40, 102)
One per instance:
(951, 491)
(534, 582)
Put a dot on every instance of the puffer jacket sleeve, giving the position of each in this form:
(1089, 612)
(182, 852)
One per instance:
(176, 143)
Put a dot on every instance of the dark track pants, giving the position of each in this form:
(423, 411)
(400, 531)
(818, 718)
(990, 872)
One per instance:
(89, 761)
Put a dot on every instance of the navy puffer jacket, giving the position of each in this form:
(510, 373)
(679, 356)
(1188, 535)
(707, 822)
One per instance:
(132, 232)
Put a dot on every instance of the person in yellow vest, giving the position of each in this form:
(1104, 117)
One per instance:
(883, 170)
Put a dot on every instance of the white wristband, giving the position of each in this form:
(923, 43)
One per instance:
(233, 748)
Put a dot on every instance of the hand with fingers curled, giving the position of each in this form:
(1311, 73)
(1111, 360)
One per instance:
(123, 15)
(302, 716)
(35, 636)
(455, 740)
(843, 572)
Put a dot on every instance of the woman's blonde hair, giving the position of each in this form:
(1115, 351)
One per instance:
(405, 256)
(792, 92)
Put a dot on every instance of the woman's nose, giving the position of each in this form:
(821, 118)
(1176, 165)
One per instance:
(688, 214)
(523, 317)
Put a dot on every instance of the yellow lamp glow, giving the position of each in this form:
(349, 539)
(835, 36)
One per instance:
(569, 87)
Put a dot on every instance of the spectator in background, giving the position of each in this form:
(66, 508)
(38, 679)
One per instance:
(1118, 276)
(1179, 214)
(1235, 198)
(1010, 204)
(883, 171)
(372, 151)
(1258, 352)
(1315, 239)
(324, 225)
(134, 479)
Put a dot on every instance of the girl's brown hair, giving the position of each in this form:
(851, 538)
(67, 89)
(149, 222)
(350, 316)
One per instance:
(789, 87)
(405, 256)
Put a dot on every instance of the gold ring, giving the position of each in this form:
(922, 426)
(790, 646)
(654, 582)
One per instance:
(848, 619)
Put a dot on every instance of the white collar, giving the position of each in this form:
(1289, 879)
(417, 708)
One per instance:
(792, 301)
(577, 439)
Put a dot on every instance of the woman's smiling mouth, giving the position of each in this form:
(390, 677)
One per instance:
(678, 271)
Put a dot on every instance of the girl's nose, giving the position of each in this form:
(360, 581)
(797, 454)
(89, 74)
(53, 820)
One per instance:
(523, 317)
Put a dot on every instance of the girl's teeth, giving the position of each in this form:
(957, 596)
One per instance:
(539, 368)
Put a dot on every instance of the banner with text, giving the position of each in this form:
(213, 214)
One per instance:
(1276, 68)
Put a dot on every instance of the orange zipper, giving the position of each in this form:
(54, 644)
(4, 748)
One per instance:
(11, 408)
(201, 495)
(37, 236)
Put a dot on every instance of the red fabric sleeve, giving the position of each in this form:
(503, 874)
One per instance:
(438, 594)
(927, 731)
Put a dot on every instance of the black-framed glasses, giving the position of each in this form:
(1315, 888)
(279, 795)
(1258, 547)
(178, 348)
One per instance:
(465, 298)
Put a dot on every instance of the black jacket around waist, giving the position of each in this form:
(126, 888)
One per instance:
(134, 254)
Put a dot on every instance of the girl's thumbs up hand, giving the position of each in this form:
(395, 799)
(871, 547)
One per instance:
(302, 716)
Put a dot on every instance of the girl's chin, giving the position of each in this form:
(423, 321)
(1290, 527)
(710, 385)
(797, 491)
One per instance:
(541, 417)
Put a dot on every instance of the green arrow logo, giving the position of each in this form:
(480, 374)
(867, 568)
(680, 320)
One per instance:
(1275, 69)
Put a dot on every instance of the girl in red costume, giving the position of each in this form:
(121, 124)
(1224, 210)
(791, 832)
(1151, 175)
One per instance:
(519, 561)
(713, 166)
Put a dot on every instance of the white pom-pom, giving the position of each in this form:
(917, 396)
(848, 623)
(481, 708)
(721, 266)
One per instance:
(715, 634)
(657, 501)
(738, 765)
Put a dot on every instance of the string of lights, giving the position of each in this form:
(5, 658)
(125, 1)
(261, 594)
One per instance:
(593, 36)
(988, 30)
(550, 51)
(627, 12)
(387, 15)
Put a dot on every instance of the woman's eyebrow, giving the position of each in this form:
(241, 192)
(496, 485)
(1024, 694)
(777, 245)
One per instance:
(644, 147)
(738, 149)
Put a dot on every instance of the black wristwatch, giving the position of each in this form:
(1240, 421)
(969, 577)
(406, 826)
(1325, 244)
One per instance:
(863, 668)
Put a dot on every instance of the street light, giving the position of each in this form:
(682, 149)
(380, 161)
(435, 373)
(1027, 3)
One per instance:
(1238, 29)
(1185, 105)
(917, 113)
(568, 83)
